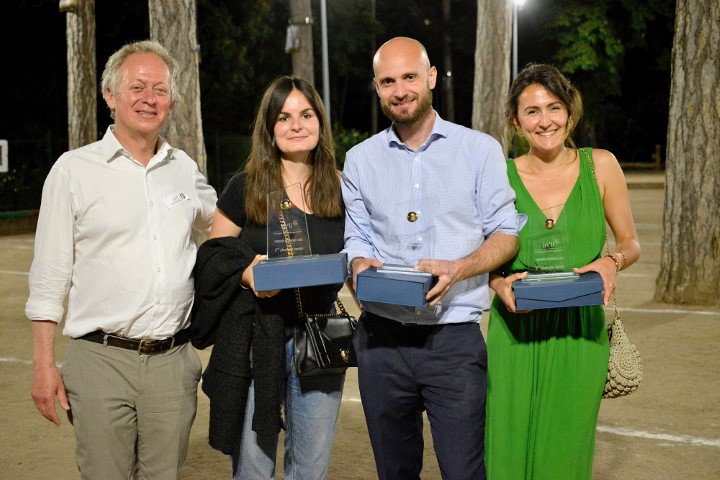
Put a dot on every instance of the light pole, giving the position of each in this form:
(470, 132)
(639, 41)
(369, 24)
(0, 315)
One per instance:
(325, 68)
(517, 5)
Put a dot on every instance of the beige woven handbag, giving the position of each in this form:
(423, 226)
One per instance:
(625, 370)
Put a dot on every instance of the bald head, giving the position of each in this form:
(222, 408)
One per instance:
(404, 80)
(401, 47)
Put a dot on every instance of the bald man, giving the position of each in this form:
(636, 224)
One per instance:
(432, 194)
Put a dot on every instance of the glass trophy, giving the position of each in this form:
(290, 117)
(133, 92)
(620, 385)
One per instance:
(408, 246)
(287, 230)
(290, 262)
(550, 247)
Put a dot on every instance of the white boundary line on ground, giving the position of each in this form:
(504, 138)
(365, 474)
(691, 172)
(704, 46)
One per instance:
(667, 311)
(15, 360)
(625, 432)
(22, 362)
(12, 272)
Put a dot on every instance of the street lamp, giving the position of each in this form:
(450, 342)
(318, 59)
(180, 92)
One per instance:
(325, 68)
(517, 5)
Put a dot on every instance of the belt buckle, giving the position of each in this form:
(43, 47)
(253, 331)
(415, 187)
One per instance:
(154, 344)
(150, 344)
(140, 346)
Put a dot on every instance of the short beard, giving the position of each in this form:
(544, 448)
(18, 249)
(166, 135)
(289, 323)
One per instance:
(424, 106)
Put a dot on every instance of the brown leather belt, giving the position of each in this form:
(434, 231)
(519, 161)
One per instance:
(142, 346)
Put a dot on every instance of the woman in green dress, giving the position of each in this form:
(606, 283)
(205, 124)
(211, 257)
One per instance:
(547, 368)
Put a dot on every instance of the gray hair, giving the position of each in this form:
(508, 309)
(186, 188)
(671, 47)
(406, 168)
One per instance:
(111, 74)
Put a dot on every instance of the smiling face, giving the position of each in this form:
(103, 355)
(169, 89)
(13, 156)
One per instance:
(297, 128)
(542, 118)
(143, 102)
(404, 81)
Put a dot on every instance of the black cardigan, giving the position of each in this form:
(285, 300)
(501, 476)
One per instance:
(227, 316)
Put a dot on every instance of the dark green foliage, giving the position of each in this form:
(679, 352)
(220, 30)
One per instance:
(618, 53)
(242, 50)
(345, 139)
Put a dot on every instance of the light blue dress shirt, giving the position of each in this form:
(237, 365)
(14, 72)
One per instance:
(455, 185)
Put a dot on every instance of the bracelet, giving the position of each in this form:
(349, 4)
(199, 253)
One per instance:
(624, 258)
(615, 261)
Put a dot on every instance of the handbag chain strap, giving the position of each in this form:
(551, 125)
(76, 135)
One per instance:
(607, 245)
(291, 253)
(617, 315)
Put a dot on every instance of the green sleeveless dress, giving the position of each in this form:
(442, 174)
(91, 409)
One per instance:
(547, 368)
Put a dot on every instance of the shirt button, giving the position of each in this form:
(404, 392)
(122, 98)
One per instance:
(417, 185)
(157, 269)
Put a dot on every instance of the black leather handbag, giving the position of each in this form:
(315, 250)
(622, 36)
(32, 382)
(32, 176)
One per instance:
(323, 343)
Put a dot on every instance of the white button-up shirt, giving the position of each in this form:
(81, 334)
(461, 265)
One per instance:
(118, 239)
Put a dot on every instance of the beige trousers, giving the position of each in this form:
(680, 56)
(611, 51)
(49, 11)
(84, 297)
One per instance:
(132, 413)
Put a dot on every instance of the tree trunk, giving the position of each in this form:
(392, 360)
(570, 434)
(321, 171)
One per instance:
(302, 58)
(690, 250)
(82, 76)
(173, 23)
(492, 67)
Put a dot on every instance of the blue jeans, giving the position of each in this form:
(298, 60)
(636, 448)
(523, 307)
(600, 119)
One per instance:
(311, 409)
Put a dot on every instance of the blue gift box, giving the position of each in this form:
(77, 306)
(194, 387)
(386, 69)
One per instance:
(303, 271)
(399, 287)
(586, 289)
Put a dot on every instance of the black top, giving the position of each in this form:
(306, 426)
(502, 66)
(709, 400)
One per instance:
(326, 237)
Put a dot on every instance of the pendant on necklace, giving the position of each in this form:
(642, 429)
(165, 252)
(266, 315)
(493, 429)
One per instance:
(549, 223)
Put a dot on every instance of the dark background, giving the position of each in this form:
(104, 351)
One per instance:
(242, 49)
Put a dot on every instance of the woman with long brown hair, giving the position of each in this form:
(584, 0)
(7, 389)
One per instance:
(291, 147)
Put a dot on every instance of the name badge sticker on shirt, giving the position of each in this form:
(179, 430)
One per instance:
(175, 199)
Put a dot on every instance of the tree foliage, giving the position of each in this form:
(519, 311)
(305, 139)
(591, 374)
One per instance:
(594, 36)
(242, 49)
(603, 46)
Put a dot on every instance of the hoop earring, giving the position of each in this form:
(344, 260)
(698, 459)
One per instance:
(519, 132)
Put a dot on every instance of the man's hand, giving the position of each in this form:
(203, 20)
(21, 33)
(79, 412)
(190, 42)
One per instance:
(47, 384)
(448, 273)
(358, 264)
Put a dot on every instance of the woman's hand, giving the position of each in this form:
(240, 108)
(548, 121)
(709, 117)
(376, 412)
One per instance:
(503, 288)
(248, 280)
(605, 266)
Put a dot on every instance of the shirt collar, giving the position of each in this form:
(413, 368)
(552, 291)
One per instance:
(113, 149)
(441, 129)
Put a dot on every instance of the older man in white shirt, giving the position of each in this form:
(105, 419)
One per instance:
(115, 236)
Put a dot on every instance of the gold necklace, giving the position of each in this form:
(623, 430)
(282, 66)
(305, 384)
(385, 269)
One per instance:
(549, 222)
